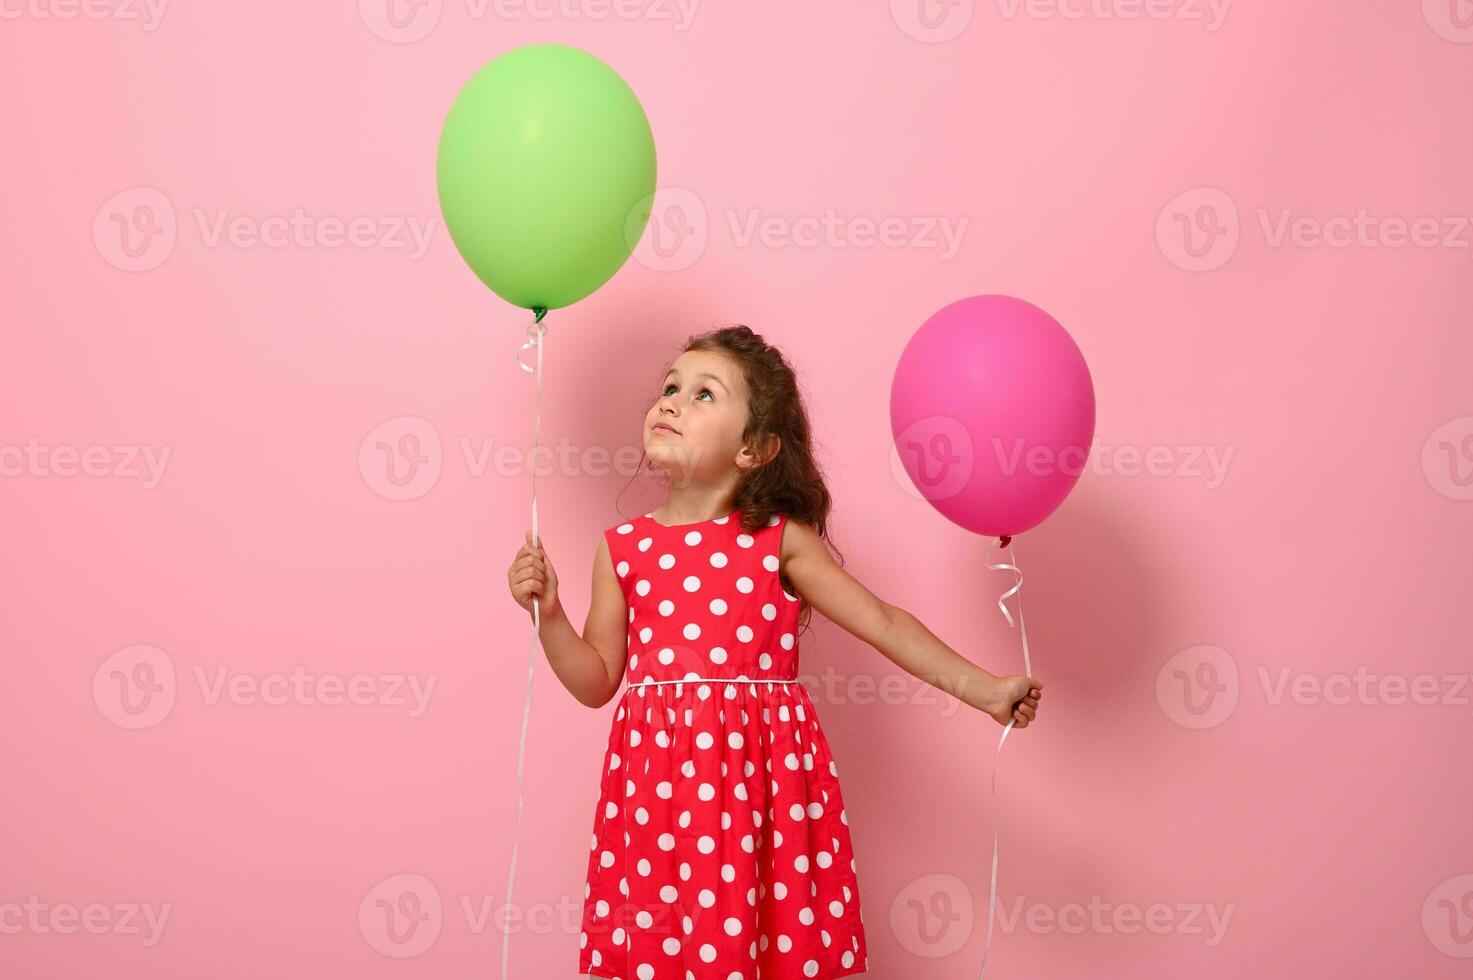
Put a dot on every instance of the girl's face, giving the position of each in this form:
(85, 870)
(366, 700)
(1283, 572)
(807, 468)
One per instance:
(694, 429)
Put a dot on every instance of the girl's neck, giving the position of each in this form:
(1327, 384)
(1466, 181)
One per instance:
(693, 509)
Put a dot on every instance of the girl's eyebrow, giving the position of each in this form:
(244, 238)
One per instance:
(705, 374)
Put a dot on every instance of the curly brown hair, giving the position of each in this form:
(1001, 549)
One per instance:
(791, 482)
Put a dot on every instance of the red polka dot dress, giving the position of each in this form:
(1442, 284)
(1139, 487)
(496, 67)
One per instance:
(720, 845)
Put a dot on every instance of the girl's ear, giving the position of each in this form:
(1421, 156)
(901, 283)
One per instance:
(749, 459)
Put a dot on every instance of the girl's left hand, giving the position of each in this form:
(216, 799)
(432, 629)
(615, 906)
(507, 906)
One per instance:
(1016, 699)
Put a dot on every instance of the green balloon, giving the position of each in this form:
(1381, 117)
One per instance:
(546, 172)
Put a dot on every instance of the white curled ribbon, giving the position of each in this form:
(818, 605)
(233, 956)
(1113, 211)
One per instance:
(534, 339)
(1010, 565)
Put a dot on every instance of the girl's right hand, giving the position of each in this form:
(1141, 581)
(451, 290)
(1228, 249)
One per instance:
(531, 574)
(1016, 700)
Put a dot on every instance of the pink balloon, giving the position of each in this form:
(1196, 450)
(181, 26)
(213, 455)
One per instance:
(993, 412)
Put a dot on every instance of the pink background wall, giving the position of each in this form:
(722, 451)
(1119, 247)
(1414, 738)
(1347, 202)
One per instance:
(1278, 504)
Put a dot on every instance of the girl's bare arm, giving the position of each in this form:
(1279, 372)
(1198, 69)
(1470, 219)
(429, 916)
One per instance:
(893, 631)
(591, 666)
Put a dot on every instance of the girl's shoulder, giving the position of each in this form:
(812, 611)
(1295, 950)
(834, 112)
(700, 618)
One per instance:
(626, 525)
(627, 537)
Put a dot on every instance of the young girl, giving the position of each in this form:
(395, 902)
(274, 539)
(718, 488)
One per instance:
(721, 845)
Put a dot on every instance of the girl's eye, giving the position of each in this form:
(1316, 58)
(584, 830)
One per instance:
(704, 391)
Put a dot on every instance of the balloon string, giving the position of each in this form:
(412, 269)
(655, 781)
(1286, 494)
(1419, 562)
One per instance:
(1010, 565)
(535, 330)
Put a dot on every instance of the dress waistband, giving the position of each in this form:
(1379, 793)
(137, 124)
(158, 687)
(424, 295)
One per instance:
(718, 680)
